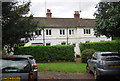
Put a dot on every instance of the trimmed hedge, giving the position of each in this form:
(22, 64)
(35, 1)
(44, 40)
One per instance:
(48, 53)
(103, 46)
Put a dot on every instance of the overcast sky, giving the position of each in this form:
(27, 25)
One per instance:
(64, 8)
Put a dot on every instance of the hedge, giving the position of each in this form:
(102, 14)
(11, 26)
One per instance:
(103, 46)
(86, 53)
(48, 53)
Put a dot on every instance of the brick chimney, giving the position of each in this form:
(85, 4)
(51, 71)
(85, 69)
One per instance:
(49, 14)
(77, 15)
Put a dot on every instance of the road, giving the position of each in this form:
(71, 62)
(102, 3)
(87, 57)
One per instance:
(63, 76)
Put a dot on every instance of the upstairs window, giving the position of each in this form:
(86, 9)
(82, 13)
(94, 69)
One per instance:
(48, 32)
(38, 32)
(62, 31)
(87, 31)
(71, 32)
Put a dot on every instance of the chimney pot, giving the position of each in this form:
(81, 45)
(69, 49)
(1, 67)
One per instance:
(48, 11)
(49, 14)
(77, 15)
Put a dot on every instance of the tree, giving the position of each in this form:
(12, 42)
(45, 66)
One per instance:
(14, 25)
(108, 19)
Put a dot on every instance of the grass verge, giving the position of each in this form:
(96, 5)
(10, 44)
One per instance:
(71, 67)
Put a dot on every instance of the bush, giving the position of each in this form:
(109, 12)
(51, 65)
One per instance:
(103, 46)
(48, 53)
(87, 53)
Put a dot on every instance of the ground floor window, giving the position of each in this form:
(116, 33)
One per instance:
(48, 44)
(87, 41)
(37, 44)
(63, 43)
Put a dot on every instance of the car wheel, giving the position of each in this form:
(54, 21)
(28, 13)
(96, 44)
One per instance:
(96, 77)
(88, 69)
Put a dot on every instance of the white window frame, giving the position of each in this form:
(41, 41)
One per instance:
(62, 31)
(38, 32)
(63, 43)
(87, 41)
(71, 31)
(48, 32)
(87, 31)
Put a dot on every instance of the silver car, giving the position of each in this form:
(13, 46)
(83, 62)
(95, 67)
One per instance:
(18, 68)
(104, 64)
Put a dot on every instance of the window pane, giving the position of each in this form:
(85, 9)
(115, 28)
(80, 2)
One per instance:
(46, 32)
(89, 31)
(60, 32)
(63, 43)
(39, 32)
(84, 31)
(36, 33)
(69, 32)
(72, 31)
(48, 44)
(63, 32)
(49, 32)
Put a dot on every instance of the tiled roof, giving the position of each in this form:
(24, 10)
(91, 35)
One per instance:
(87, 22)
(65, 22)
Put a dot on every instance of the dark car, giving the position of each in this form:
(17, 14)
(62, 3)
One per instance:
(104, 64)
(18, 68)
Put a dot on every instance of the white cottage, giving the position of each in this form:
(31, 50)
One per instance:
(65, 31)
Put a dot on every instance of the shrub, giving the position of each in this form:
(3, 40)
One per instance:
(48, 53)
(103, 46)
(86, 53)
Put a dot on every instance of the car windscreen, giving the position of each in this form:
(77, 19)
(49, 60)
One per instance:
(14, 65)
(111, 57)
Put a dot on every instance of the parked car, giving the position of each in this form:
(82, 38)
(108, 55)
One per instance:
(18, 68)
(104, 64)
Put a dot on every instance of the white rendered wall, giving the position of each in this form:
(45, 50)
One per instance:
(76, 38)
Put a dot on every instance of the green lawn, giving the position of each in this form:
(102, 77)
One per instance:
(71, 67)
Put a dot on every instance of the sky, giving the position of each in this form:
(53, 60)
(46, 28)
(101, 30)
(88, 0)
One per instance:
(63, 8)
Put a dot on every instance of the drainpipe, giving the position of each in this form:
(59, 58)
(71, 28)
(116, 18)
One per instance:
(67, 35)
(43, 37)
